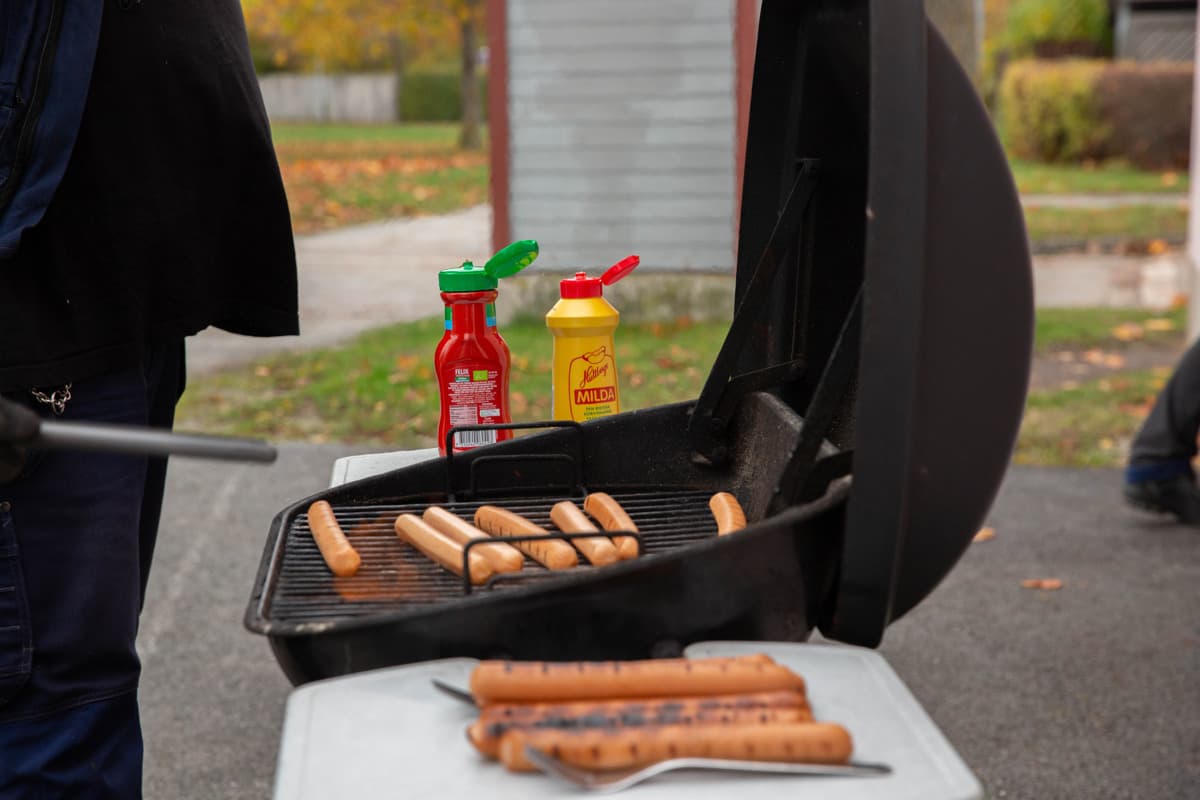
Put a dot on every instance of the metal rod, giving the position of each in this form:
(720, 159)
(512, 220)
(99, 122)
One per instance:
(54, 435)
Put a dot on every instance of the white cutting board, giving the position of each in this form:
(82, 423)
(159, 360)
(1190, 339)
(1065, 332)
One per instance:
(390, 734)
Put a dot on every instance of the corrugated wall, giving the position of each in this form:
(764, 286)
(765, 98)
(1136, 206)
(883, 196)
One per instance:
(622, 126)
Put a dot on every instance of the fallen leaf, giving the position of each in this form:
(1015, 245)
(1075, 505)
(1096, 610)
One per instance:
(1170, 178)
(1129, 331)
(262, 371)
(1159, 324)
(1107, 443)
(1156, 247)
(1045, 584)
(1114, 361)
(985, 535)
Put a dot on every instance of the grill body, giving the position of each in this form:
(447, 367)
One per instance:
(765, 582)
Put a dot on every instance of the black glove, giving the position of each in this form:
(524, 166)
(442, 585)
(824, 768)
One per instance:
(18, 427)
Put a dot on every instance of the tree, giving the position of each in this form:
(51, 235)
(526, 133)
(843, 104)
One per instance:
(469, 14)
(340, 34)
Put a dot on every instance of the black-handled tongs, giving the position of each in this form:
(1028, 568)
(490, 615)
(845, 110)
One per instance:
(21, 429)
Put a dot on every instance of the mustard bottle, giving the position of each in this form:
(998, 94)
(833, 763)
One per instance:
(584, 380)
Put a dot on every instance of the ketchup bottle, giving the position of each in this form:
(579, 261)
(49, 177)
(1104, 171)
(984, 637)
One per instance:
(472, 360)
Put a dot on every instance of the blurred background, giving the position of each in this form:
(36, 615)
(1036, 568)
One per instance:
(414, 134)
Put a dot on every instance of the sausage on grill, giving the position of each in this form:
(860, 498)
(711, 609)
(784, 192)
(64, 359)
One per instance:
(340, 556)
(502, 557)
(551, 553)
(449, 554)
(599, 549)
(612, 517)
(728, 513)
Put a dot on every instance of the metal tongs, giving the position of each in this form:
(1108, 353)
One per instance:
(21, 429)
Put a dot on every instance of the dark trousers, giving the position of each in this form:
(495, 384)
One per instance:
(77, 534)
(1165, 445)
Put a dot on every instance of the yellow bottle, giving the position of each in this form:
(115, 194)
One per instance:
(584, 381)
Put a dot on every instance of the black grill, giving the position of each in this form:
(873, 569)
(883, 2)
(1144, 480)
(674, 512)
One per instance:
(394, 575)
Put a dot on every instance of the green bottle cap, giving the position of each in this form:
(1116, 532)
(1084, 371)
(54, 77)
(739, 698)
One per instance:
(467, 278)
(470, 278)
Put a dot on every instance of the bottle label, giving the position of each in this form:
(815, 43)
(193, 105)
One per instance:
(490, 313)
(474, 393)
(592, 383)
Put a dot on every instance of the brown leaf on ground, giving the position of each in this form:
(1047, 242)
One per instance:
(1128, 331)
(984, 535)
(1045, 584)
(1159, 324)
(1156, 247)
(1114, 361)
(1169, 178)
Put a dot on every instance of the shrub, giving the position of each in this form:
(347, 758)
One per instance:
(1148, 108)
(1048, 28)
(435, 96)
(1049, 110)
(1079, 110)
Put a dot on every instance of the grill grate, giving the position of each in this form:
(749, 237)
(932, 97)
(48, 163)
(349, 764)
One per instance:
(394, 575)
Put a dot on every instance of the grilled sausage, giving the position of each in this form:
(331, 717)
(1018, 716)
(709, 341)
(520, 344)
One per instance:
(449, 554)
(761, 708)
(551, 553)
(728, 513)
(612, 517)
(502, 557)
(340, 556)
(812, 742)
(599, 550)
(543, 681)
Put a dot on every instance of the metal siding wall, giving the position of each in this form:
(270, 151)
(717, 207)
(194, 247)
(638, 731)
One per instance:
(623, 119)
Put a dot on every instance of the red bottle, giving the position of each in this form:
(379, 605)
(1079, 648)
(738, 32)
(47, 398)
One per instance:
(472, 360)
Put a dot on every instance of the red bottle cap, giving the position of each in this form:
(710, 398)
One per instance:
(581, 286)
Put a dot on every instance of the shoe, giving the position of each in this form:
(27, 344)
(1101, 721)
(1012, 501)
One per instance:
(1179, 496)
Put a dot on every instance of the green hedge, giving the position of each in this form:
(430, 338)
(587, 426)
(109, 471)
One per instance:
(435, 97)
(1077, 110)
(1039, 27)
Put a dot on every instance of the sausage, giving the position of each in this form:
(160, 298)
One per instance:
(449, 554)
(812, 742)
(762, 708)
(340, 556)
(551, 553)
(612, 517)
(599, 550)
(502, 557)
(728, 513)
(543, 681)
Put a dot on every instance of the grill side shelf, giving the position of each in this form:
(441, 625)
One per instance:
(298, 587)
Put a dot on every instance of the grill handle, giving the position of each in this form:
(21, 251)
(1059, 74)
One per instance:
(476, 460)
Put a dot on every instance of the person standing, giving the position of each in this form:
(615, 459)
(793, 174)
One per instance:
(1159, 477)
(140, 202)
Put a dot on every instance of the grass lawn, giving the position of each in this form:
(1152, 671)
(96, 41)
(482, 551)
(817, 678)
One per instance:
(379, 389)
(1088, 425)
(1128, 222)
(1108, 178)
(1112, 328)
(339, 175)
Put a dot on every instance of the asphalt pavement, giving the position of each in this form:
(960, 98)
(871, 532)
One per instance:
(1091, 691)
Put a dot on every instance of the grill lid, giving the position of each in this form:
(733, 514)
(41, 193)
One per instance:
(883, 287)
